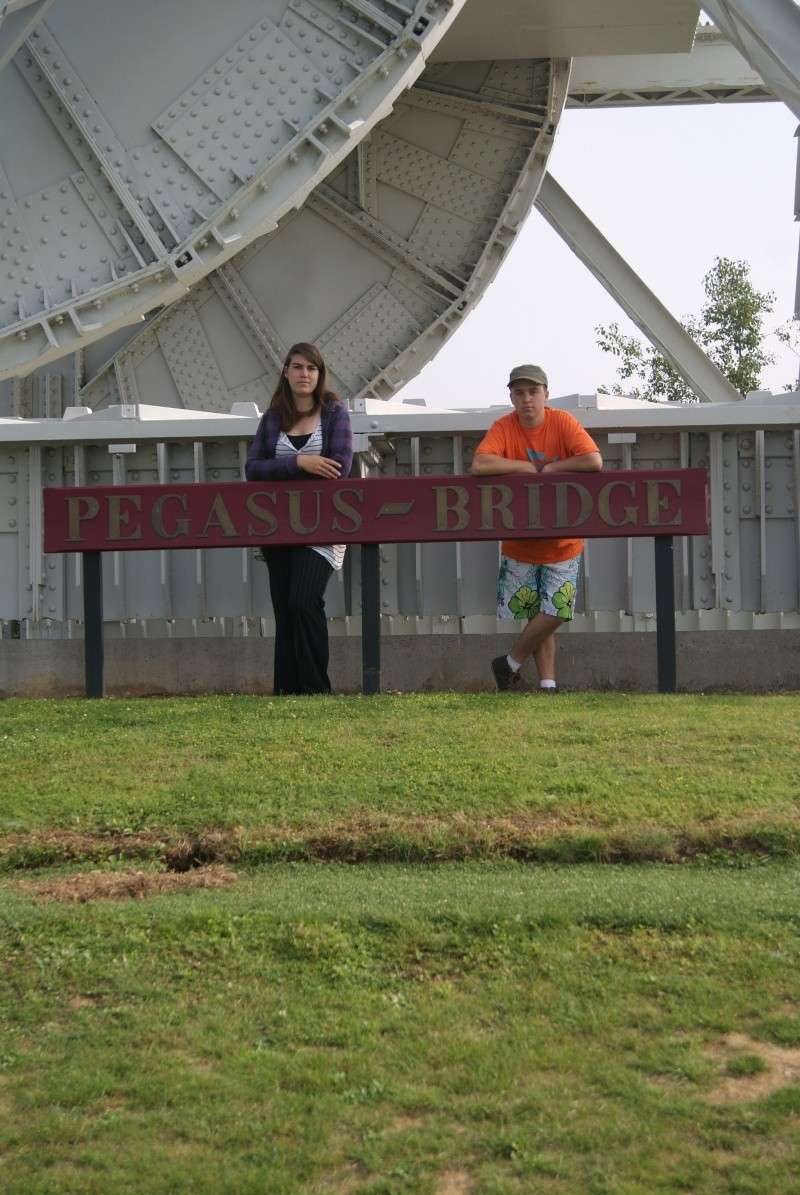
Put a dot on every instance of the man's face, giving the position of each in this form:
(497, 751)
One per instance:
(528, 399)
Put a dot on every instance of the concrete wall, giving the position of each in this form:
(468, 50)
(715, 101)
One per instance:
(745, 661)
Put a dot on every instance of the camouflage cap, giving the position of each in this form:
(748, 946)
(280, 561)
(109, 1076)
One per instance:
(528, 373)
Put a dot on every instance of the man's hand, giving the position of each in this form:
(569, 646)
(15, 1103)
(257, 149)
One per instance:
(318, 466)
(588, 462)
(488, 464)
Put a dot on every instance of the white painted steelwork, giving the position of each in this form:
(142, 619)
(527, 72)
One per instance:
(151, 143)
(383, 262)
(767, 34)
(714, 72)
(18, 19)
(145, 152)
(568, 28)
(745, 574)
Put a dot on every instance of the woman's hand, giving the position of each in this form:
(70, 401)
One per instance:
(318, 466)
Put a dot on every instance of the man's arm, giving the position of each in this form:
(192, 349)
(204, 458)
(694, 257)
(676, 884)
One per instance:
(489, 464)
(587, 462)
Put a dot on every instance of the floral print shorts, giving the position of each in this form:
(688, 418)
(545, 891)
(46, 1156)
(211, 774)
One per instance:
(525, 590)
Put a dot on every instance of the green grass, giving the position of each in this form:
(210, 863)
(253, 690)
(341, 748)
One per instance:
(746, 1064)
(580, 777)
(480, 1027)
(386, 1029)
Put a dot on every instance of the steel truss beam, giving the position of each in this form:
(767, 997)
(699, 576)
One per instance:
(12, 6)
(767, 34)
(633, 295)
(662, 98)
(85, 118)
(17, 22)
(228, 283)
(713, 72)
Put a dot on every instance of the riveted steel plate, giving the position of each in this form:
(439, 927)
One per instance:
(388, 256)
(195, 129)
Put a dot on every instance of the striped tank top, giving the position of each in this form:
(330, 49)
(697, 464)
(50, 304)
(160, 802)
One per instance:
(334, 554)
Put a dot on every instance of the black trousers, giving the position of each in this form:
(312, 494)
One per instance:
(297, 581)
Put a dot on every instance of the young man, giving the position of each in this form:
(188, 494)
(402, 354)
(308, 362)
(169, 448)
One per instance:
(538, 577)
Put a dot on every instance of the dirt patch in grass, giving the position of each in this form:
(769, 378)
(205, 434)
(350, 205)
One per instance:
(85, 1001)
(404, 1123)
(345, 1181)
(199, 849)
(453, 1182)
(40, 848)
(124, 885)
(782, 1067)
(419, 839)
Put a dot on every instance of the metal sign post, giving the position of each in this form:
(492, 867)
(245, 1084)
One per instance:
(665, 614)
(93, 623)
(370, 619)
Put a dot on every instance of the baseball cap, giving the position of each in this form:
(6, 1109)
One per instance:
(528, 373)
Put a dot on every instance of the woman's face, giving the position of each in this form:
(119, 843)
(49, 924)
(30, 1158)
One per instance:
(302, 376)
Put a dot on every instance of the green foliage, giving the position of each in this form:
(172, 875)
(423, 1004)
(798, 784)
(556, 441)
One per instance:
(729, 328)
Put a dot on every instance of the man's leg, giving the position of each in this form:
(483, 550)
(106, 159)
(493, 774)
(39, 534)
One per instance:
(536, 634)
(550, 590)
(545, 656)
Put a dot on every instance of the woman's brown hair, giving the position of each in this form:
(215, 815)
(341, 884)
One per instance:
(282, 400)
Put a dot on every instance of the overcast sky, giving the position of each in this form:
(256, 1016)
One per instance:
(671, 188)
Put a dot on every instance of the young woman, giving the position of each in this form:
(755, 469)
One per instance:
(304, 433)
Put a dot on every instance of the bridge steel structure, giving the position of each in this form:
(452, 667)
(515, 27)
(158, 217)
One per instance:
(185, 189)
(384, 152)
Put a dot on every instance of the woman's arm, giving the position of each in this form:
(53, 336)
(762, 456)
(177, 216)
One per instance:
(337, 438)
(261, 463)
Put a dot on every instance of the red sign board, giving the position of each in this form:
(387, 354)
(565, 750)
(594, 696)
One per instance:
(376, 510)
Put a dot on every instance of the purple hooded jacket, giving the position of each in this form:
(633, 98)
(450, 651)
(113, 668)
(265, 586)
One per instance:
(337, 443)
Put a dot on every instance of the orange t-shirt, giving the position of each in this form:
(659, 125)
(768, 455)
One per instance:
(559, 437)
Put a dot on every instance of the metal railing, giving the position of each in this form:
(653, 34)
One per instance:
(744, 575)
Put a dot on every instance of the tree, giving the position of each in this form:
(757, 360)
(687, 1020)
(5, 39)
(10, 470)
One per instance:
(729, 328)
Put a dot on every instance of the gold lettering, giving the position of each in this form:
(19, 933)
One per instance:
(261, 513)
(119, 518)
(157, 517)
(657, 502)
(534, 505)
(75, 517)
(562, 503)
(349, 512)
(500, 504)
(219, 517)
(451, 499)
(604, 504)
(295, 520)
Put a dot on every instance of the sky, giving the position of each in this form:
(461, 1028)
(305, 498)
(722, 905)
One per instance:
(671, 188)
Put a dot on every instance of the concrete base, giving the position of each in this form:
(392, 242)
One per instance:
(744, 661)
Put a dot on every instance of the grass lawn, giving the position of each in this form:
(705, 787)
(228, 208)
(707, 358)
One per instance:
(482, 1026)
(579, 777)
(478, 1028)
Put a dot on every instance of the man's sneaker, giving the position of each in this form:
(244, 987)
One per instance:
(504, 675)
